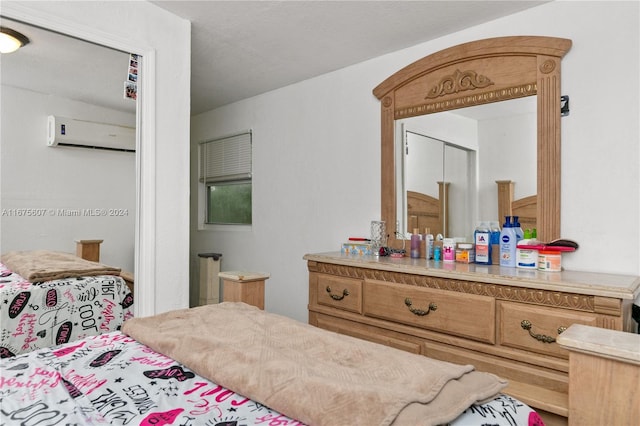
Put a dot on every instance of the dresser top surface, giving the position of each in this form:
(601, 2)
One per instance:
(590, 283)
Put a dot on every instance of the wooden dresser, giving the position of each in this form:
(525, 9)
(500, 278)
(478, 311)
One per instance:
(501, 320)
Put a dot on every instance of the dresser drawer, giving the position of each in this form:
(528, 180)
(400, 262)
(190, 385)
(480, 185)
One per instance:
(460, 314)
(535, 328)
(340, 292)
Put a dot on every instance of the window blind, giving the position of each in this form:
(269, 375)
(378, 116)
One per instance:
(226, 159)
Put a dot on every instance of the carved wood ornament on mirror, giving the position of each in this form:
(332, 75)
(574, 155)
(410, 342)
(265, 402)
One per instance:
(476, 73)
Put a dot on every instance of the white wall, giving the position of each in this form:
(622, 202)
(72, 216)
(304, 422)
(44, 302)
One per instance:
(58, 181)
(495, 138)
(509, 150)
(317, 152)
(164, 40)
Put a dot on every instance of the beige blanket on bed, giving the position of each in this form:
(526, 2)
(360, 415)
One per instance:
(312, 375)
(45, 265)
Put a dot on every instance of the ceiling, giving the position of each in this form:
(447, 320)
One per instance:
(60, 65)
(244, 48)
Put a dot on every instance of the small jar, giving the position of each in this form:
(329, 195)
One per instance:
(549, 261)
(448, 250)
(527, 258)
(465, 253)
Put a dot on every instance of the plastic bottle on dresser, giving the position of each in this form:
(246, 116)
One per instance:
(482, 240)
(508, 243)
(495, 232)
(415, 244)
(428, 236)
(516, 226)
(495, 241)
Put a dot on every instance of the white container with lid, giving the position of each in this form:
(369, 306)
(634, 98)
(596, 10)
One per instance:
(527, 258)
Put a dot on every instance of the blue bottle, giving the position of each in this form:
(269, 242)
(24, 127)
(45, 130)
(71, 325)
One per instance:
(518, 228)
(508, 242)
(495, 232)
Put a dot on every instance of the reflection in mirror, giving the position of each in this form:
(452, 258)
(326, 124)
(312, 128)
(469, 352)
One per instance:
(475, 147)
(478, 73)
(56, 74)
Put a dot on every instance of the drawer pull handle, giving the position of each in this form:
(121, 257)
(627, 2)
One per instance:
(526, 324)
(345, 292)
(420, 312)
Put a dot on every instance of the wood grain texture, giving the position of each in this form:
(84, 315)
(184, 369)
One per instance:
(474, 322)
(476, 73)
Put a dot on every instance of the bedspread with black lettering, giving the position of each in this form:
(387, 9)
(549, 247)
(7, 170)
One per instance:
(49, 313)
(113, 379)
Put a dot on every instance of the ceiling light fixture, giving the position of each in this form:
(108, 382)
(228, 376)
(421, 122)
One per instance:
(11, 40)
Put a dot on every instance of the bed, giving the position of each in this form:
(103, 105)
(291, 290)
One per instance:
(50, 298)
(425, 211)
(525, 208)
(234, 364)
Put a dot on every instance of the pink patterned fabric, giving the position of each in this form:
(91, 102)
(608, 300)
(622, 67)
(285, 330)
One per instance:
(38, 315)
(112, 379)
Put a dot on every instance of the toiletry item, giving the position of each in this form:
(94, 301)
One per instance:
(563, 242)
(415, 244)
(518, 229)
(482, 240)
(550, 261)
(535, 244)
(508, 242)
(428, 237)
(495, 242)
(465, 253)
(495, 232)
(448, 250)
(526, 258)
(437, 253)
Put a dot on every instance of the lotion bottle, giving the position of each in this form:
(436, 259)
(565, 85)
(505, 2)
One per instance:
(508, 242)
(415, 244)
(428, 236)
(517, 228)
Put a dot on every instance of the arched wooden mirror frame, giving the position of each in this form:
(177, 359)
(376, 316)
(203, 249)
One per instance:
(475, 73)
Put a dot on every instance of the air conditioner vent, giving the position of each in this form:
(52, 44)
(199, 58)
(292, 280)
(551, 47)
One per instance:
(63, 131)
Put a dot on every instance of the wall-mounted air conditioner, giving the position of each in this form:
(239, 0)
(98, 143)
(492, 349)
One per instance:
(63, 131)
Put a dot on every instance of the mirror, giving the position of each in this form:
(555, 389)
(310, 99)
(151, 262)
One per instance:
(478, 73)
(58, 74)
(450, 146)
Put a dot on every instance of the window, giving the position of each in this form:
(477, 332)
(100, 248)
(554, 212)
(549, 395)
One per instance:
(225, 172)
